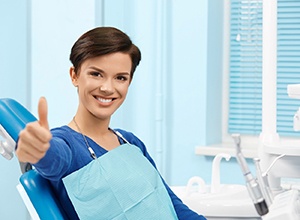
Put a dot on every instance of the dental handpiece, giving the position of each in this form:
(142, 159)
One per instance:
(251, 183)
(263, 182)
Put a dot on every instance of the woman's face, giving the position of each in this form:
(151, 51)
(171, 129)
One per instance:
(102, 84)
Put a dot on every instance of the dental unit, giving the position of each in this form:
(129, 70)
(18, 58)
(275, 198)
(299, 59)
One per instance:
(216, 200)
(215, 178)
(263, 182)
(270, 202)
(278, 159)
(251, 183)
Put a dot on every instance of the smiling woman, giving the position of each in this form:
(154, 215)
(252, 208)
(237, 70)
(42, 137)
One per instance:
(98, 172)
(102, 85)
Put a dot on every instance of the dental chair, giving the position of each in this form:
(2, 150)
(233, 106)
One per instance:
(13, 118)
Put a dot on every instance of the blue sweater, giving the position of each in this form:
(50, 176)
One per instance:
(68, 153)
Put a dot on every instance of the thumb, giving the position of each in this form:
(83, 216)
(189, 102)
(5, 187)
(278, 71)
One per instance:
(43, 112)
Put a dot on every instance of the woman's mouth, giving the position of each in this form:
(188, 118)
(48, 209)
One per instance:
(103, 100)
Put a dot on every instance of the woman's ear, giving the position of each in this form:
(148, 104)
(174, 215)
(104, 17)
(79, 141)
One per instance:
(73, 76)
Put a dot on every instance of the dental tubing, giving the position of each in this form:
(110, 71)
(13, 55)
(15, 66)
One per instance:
(251, 183)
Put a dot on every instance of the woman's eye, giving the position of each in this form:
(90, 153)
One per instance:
(95, 74)
(122, 78)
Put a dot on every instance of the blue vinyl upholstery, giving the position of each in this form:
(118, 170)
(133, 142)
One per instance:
(41, 195)
(13, 118)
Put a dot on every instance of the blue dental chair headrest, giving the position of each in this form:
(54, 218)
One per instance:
(13, 118)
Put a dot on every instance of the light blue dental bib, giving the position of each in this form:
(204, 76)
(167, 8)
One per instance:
(120, 185)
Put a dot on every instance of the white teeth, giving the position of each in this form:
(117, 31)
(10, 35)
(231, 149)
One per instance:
(104, 100)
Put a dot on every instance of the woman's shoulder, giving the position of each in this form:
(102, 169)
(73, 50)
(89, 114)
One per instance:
(61, 130)
(125, 133)
(134, 140)
(131, 138)
(64, 132)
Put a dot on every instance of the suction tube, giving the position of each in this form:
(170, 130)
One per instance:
(251, 183)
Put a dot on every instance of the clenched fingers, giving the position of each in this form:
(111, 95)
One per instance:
(33, 143)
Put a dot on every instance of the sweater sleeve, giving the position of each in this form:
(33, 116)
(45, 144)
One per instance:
(182, 211)
(56, 162)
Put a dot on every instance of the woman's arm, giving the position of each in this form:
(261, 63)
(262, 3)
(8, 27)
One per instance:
(57, 160)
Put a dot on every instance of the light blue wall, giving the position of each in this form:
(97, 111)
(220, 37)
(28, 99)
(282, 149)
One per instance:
(188, 89)
(14, 82)
(55, 26)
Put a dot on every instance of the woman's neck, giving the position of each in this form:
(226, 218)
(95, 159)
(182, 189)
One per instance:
(90, 125)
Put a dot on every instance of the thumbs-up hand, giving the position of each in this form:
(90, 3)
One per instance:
(34, 139)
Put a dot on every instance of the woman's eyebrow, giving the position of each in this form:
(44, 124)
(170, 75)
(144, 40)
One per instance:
(123, 73)
(96, 68)
(102, 71)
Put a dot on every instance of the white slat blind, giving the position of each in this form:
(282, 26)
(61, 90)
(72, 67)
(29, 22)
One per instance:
(245, 83)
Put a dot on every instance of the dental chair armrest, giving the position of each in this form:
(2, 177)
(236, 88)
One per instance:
(40, 193)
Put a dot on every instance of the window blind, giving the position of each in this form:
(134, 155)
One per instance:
(245, 78)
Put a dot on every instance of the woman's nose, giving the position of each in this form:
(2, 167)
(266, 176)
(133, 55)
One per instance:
(106, 86)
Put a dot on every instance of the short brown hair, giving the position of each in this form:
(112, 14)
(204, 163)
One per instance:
(100, 41)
